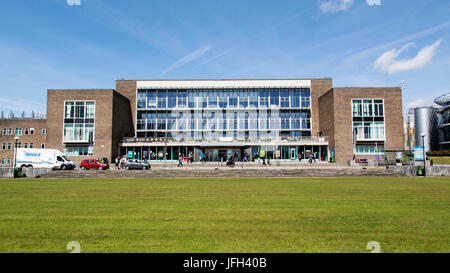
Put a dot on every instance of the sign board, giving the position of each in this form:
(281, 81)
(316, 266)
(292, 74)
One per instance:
(262, 153)
(277, 153)
(418, 153)
(130, 154)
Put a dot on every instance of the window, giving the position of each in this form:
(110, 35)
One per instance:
(3, 146)
(162, 98)
(264, 98)
(44, 131)
(90, 110)
(182, 98)
(253, 94)
(18, 145)
(31, 131)
(243, 98)
(10, 131)
(212, 98)
(31, 145)
(284, 98)
(357, 108)
(43, 146)
(18, 132)
(25, 145)
(223, 99)
(5, 131)
(9, 146)
(172, 98)
(79, 122)
(306, 97)
(368, 130)
(274, 97)
(26, 131)
(69, 108)
(141, 99)
(8, 161)
(233, 98)
(151, 99)
(379, 108)
(3, 161)
(295, 98)
(369, 149)
(76, 151)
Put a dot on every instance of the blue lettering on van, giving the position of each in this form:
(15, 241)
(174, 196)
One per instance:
(32, 154)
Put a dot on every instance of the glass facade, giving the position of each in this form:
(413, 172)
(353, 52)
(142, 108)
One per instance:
(79, 119)
(368, 119)
(79, 124)
(244, 114)
(368, 126)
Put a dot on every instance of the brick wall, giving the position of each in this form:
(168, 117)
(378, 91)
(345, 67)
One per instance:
(343, 143)
(318, 88)
(37, 139)
(128, 89)
(103, 119)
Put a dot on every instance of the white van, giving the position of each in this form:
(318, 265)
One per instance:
(43, 158)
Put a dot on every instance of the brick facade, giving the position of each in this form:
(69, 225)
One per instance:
(340, 127)
(38, 138)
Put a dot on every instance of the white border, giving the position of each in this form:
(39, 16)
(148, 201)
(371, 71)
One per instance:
(186, 84)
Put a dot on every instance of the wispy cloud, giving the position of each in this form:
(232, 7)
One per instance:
(188, 58)
(216, 56)
(335, 5)
(73, 2)
(389, 63)
(368, 53)
(374, 2)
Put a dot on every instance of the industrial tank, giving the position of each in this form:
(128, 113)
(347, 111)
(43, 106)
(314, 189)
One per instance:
(422, 122)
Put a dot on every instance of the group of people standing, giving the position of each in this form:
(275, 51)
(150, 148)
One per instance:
(120, 162)
(189, 160)
(312, 157)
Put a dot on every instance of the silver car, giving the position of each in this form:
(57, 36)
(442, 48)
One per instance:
(136, 164)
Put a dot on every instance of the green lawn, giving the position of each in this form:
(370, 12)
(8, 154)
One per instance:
(441, 160)
(225, 215)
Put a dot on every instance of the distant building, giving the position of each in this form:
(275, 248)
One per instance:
(409, 130)
(443, 118)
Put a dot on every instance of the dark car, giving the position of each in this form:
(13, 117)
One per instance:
(136, 164)
(93, 164)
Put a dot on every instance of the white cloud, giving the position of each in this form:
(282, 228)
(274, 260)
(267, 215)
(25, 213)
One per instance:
(188, 58)
(335, 5)
(419, 103)
(388, 62)
(73, 2)
(373, 2)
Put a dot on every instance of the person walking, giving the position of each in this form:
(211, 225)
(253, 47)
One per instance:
(180, 160)
(116, 161)
(310, 159)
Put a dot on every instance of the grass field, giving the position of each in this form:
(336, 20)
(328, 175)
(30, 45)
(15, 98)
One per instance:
(226, 215)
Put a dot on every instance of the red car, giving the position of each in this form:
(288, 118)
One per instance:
(93, 164)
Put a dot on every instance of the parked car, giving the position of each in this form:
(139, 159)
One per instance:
(93, 164)
(136, 164)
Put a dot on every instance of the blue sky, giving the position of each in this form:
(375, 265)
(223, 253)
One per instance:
(49, 44)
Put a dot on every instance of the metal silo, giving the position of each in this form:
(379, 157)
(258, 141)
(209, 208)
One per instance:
(422, 122)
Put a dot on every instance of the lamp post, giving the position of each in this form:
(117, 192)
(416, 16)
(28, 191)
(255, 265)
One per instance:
(16, 140)
(424, 156)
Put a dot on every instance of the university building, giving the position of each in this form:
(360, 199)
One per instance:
(280, 119)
